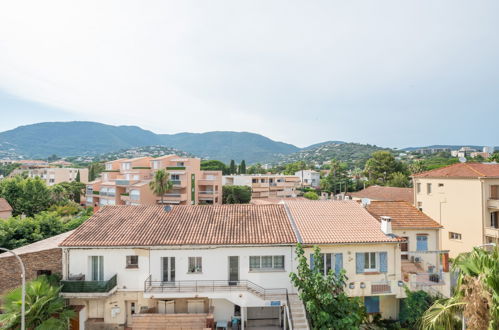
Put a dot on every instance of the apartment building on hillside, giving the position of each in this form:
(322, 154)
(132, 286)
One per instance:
(309, 178)
(52, 175)
(126, 182)
(464, 199)
(266, 185)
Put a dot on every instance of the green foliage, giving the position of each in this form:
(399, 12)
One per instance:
(26, 196)
(311, 195)
(5, 170)
(324, 297)
(494, 157)
(242, 167)
(236, 194)
(292, 168)
(399, 179)
(380, 167)
(338, 178)
(94, 170)
(414, 306)
(161, 184)
(232, 167)
(67, 191)
(417, 166)
(256, 169)
(45, 309)
(214, 165)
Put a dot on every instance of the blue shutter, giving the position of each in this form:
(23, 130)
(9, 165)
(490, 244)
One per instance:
(338, 263)
(312, 265)
(372, 304)
(383, 262)
(422, 243)
(359, 263)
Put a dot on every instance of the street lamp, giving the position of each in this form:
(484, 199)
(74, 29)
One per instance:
(23, 277)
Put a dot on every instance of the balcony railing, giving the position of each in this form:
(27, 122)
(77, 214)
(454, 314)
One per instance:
(175, 168)
(89, 286)
(380, 287)
(206, 192)
(176, 182)
(151, 286)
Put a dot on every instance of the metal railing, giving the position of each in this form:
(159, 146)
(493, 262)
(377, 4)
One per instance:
(89, 286)
(429, 279)
(211, 286)
(122, 182)
(288, 312)
(176, 182)
(206, 192)
(380, 287)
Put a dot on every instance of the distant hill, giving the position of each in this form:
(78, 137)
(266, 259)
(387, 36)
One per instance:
(322, 143)
(91, 138)
(441, 146)
(354, 154)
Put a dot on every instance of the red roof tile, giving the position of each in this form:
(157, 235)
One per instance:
(330, 222)
(381, 193)
(403, 215)
(185, 225)
(463, 170)
(4, 205)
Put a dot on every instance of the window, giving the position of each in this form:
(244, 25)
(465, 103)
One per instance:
(134, 195)
(421, 242)
(455, 235)
(155, 164)
(43, 272)
(420, 206)
(329, 260)
(254, 180)
(372, 304)
(132, 261)
(109, 167)
(266, 263)
(195, 265)
(428, 188)
(440, 185)
(370, 261)
(367, 262)
(494, 220)
(418, 187)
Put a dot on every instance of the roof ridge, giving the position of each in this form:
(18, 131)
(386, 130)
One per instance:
(474, 170)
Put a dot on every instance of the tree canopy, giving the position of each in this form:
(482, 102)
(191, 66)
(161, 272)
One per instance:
(214, 165)
(380, 167)
(236, 194)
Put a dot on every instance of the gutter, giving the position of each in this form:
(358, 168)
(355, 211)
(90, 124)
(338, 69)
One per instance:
(293, 223)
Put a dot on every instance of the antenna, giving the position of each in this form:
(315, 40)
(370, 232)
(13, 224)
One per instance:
(462, 159)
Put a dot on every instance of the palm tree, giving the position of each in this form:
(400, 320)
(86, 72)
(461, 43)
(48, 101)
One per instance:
(45, 309)
(161, 184)
(476, 296)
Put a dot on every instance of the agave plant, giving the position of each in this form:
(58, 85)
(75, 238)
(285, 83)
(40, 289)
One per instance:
(45, 309)
(476, 296)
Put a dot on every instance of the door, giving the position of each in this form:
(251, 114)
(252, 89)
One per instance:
(95, 309)
(97, 270)
(166, 307)
(233, 270)
(195, 306)
(168, 269)
(404, 248)
(131, 307)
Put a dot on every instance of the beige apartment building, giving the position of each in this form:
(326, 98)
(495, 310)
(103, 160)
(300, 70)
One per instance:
(126, 182)
(266, 185)
(53, 175)
(464, 199)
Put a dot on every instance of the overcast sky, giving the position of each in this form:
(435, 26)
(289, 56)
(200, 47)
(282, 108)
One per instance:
(393, 73)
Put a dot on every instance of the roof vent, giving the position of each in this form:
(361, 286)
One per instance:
(167, 208)
(386, 225)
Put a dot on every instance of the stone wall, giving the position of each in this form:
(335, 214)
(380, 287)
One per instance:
(10, 273)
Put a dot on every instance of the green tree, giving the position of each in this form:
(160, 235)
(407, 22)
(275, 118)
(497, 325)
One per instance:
(414, 306)
(45, 309)
(232, 167)
(94, 170)
(398, 179)
(242, 167)
(311, 195)
(26, 196)
(417, 166)
(381, 166)
(161, 184)
(77, 179)
(256, 169)
(72, 190)
(494, 157)
(324, 296)
(292, 168)
(236, 194)
(476, 295)
(6, 169)
(214, 165)
(338, 178)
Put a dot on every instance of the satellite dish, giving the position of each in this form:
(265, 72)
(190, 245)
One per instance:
(365, 202)
(462, 159)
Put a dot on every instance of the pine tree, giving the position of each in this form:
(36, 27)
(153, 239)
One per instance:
(242, 167)
(232, 167)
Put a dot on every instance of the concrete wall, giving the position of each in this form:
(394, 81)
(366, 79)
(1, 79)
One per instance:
(10, 273)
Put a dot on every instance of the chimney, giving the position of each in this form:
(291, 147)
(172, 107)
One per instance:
(386, 225)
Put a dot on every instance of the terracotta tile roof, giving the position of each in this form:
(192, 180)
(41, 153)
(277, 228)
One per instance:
(4, 205)
(381, 193)
(185, 225)
(463, 170)
(274, 200)
(46, 244)
(403, 215)
(331, 222)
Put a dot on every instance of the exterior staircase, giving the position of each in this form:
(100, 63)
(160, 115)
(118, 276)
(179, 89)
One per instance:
(297, 311)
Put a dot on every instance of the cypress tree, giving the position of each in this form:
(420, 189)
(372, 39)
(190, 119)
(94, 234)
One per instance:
(77, 179)
(232, 167)
(242, 167)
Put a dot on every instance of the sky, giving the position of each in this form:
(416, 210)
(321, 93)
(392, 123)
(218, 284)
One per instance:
(387, 72)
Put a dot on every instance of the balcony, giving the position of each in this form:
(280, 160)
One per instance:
(81, 288)
(207, 286)
(175, 168)
(176, 182)
(493, 203)
(380, 288)
(122, 182)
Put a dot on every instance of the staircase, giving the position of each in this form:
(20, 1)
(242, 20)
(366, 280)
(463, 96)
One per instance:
(297, 311)
(170, 321)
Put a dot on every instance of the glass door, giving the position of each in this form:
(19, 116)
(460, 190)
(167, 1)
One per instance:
(233, 270)
(97, 268)
(168, 269)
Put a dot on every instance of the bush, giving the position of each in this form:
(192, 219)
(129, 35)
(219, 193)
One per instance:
(414, 306)
(311, 195)
(236, 194)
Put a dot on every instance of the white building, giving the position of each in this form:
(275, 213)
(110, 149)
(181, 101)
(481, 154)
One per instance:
(309, 178)
(129, 265)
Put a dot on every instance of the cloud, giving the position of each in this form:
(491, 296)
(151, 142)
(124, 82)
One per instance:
(292, 70)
